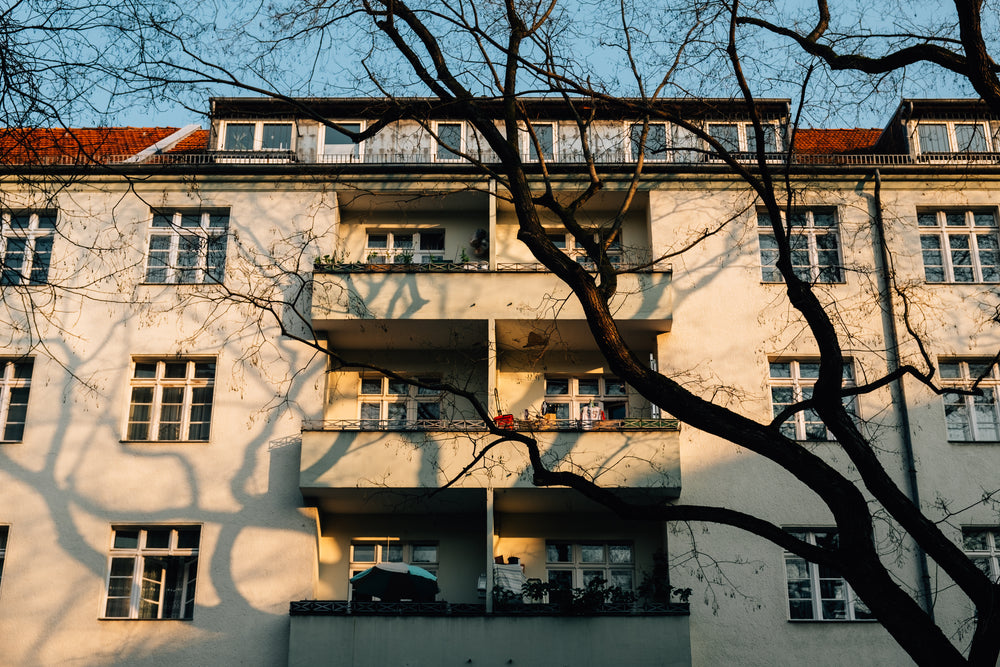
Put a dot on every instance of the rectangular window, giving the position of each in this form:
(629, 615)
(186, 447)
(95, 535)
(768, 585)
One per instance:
(26, 247)
(727, 134)
(792, 382)
(587, 397)
(187, 247)
(952, 137)
(567, 243)
(576, 564)
(152, 572)
(450, 141)
(171, 400)
(959, 246)
(971, 418)
(367, 552)
(387, 403)
(545, 136)
(655, 146)
(770, 137)
(424, 246)
(257, 136)
(982, 545)
(3, 548)
(741, 137)
(815, 246)
(817, 593)
(336, 143)
(15, 382)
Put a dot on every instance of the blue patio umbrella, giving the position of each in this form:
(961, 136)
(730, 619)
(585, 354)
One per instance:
(396, 581)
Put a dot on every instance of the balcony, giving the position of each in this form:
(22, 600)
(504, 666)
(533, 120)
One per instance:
(335, 632)
(418, 291)
(361, 454)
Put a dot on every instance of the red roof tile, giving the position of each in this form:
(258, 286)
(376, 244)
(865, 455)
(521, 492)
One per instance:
(47, 145)
(829, 142)
(196, 142)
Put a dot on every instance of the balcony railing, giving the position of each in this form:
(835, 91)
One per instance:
(615, 157)
(345, 608)
(630, 263)
(471, 425)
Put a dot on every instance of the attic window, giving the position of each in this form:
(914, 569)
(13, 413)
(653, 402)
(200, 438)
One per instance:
(953, 137)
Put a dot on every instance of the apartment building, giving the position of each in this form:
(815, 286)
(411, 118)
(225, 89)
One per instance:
(177, 447)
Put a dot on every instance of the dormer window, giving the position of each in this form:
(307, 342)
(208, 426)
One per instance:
(545, 136)
(953, 137)
(336, 143)
(741, 137)
(450, 141)
(257, 136)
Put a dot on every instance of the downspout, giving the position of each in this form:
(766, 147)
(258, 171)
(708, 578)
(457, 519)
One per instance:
(897, 390)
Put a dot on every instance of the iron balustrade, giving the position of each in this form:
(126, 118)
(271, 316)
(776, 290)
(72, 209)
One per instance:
(467, 425)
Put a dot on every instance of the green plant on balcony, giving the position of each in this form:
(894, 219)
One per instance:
(655, 586)
(587, 600)
(404, 258)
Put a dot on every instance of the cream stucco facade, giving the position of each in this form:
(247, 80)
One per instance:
(311, 469)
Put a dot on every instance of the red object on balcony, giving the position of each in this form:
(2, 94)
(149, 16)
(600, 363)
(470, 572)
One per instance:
(504, 421)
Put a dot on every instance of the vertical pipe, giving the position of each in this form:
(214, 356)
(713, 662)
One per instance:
(489, 549)
(897, 390)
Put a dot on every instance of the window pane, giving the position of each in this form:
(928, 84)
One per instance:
(187, 538)
(126, 539)
(970, 137)
(770, 138)
(588, 387)
(591, 553)
(727, 135)
(424, 553)
(371, 386)
(544, 136)
(556, 386)
(363, 553)
(277, 136)
(933, 138)
(619, 553)
(239, 136)
(158, 538)
(558, 553)
(449, 140)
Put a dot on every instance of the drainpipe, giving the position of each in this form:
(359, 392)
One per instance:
(897, 390)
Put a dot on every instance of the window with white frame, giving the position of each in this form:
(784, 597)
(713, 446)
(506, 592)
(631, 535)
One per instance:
(816, 592)
(257, 136)
(450, 140)
(791, 382)
(367, 552)
(953, 137)
(566, 242)
(815, 246)
(152, 572)
(390, 403)
(741, 137)
(187, 247)
(971, 418)
(545, 135)
(337, 146)
(654, 147)
(26, 247)
(418, 246)
(3, 548)
(982, 546)
(15, 383)
(171, 399)
(959, 246)
(586, 397)
(576, 564)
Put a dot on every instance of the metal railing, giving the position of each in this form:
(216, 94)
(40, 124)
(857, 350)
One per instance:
(474, 425)
(614, 157)
(345, 608)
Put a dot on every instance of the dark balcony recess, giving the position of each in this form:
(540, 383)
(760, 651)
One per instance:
(345, 608)
(467, 425)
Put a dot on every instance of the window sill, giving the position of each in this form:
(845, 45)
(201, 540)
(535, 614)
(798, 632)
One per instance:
(955, 282)
(157, 620)
(974, 442)
(164, 442)
(832, 620)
